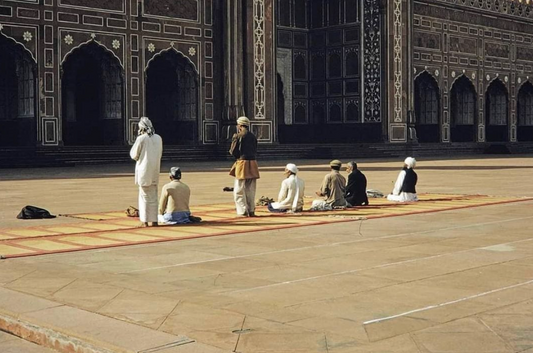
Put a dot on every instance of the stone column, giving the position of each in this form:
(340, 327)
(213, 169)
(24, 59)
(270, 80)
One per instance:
(399, 70)
(260, 68)
(234, 30)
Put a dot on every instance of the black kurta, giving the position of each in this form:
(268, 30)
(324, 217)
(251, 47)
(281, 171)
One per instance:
(356, 189)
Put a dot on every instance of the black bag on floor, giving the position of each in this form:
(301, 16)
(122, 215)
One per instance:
(32, 212)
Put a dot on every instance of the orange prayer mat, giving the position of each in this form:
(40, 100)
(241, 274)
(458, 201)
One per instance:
(111, 229)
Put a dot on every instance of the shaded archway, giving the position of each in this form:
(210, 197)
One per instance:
(17, 95)
(172, 98)
(463, 114)
(496, 112)
(280, 100)
(92, 97)
(427, 108)
(525, 113)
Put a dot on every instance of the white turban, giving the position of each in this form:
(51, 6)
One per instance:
(146, 125)
(243, 121)
(292, 168)
(410, 162)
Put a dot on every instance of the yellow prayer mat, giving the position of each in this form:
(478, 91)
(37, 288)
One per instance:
(111, 229)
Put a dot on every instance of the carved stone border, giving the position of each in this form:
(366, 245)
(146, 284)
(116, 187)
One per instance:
(259, 59)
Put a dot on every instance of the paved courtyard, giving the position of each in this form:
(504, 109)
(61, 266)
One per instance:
(452, 281)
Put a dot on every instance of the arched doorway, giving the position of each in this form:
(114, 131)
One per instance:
(172, 98)
(280, 100)
(17, 95)
(427, 108)
(463, 117)
(525, 113)
(496, 112)
(92, 97)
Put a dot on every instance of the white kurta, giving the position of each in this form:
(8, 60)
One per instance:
(291, 194)
(147, 151)
(398, 196)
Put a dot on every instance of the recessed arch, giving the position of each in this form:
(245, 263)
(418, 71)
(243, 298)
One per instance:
(427, 108)
(92, 97)
(525, 112)
(463, 110)
(18, 94)
(172, 96)
(496, 112)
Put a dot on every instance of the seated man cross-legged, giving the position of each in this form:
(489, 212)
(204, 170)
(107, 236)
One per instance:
(332, 189)
(174, 202)
(291, 194)
(356, 186)
(405, 186)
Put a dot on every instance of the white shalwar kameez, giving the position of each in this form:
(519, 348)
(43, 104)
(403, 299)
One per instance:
(147, 151)
(401, 196)
(291, 195)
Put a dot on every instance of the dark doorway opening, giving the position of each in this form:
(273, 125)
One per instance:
(92, 98)
(17, 95)
(496, 113)
(427, 108)
(280, 101)
(172, 98)
(525, 113)
(463, 119)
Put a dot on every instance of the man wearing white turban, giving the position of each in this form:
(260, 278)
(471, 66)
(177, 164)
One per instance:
(291, 194)
(147, 151)
(405, 186)
(245, 169)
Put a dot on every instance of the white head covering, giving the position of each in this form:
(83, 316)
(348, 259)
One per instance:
(292, 168)
(410, 162)
(243, 121)
(146, 124)
(175, 172)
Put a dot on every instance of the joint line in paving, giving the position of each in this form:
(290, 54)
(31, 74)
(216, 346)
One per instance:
(447, 303)
(320, 245)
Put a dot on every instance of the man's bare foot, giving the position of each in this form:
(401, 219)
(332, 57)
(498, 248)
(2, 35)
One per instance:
(143, 224)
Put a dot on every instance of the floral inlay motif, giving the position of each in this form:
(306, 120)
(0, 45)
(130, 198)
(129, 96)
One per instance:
(68, 39)
(27, 36)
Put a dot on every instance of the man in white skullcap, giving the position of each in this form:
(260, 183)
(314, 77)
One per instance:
(147, 151)
(405, 186)
(174, 202)
(291, 194)
(245, 169)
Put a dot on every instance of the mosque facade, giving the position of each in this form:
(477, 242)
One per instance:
(83, 72)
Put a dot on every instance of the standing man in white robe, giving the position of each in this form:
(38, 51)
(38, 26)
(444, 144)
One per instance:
(405, 186)
(291, 194)
(147, 151)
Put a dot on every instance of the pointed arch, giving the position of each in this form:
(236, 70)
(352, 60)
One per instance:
(18, 94)
(463, 110)
(170, 50)
(172, 96)
(525, 112)
(91, 41)
(496, 112)
(427, 108)
(92, 96)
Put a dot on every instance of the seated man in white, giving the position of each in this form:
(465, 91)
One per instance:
(291, 194)
(174, 202)
(405, 186)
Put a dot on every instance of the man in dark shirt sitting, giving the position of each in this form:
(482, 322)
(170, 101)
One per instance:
(356, 186)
